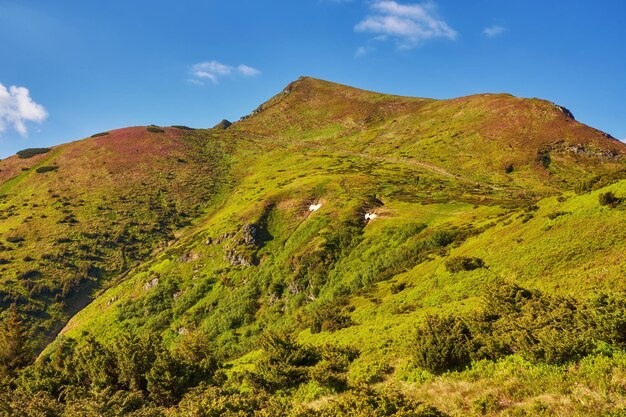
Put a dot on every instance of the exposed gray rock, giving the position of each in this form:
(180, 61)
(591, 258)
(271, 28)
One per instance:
(581, 149)
(249, 232)
(151, 284)
(565, 111)
(236, 258)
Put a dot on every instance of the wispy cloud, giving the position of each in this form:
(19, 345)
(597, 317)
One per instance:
(247, 71)
(494, 30)
(214, 70)
(17, 108)
(408, 24)
(361, 51)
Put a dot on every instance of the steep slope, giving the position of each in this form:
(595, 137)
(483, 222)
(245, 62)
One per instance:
(83, 213)
(328, 226)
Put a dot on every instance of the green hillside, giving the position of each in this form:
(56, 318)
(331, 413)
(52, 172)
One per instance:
(337, 252)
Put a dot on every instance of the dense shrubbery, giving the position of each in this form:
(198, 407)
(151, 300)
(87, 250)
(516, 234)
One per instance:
(30, 152)
(540, 328)
(443, 343)
(154, 129)
(138, 376)
(463, 263)
(97, 135)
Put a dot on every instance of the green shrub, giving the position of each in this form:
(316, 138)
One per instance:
(153, 129)
(97, 135)
(544, 158)
(182, 127)
(329, 317)
(49, 168)
(285, 363)
(541, 328)
(486, 404)
(442, 238)
(30, 152)
(367, 402)
(442, 344)
(463, 263)
(608, 199)
(556, 214)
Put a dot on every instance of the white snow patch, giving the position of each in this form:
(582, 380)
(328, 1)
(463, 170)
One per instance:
(315, 207)
(370, 216)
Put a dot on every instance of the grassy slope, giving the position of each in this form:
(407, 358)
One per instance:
(413, 162)
(111, 201)
(155, 214)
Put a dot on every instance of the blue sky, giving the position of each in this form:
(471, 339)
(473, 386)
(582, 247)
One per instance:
(69, 69)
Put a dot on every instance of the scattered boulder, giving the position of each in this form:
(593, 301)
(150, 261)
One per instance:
(236, 258)
(249, 234)
(151, 284)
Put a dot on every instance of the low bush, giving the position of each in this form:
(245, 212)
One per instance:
(97, 135)
(153, 129)
(608, 199)
(442, 344)
(556, 214)
(49, 168)
(30, 152)
(463, 263)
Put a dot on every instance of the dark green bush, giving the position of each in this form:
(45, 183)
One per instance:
(182, 127)
(544, 158)
(329, 316)
(30, 152)
(463, 263)
(153, 129)
(556, 214)
(285, 363)
(541, 328)
(442, 238)
(608, 199)
(367, 402)
(97, 135)
(442, 344)
(49, 168)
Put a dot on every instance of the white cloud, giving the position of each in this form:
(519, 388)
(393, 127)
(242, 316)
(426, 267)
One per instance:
(408, 24)
(494, 30)
(247, 71)
(214, 70)
(17, 108)
(361, 51)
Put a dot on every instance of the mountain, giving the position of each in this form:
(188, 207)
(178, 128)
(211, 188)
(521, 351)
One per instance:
(468, 252)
